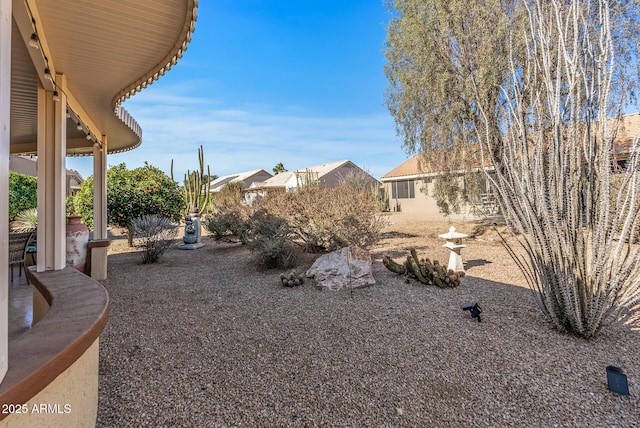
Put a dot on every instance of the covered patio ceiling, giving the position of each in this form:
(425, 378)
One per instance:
(99, 53)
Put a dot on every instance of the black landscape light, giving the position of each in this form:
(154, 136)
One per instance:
(473, 308)
(617, 381)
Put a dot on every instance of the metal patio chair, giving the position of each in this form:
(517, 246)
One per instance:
(18, 244)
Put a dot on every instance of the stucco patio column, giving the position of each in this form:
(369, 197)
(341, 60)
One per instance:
(52, 151)
(98, 248)
(100, 190)
(5, 107)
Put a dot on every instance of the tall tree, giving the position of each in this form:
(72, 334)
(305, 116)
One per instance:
(533, 88)
(131, 194)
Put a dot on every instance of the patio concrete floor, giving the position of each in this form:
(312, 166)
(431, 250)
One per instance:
(20, 304)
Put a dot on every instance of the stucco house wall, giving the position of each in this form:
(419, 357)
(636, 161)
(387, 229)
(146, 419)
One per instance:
(410, 190)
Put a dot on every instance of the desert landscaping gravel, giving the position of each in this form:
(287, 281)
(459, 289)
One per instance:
(206, 339)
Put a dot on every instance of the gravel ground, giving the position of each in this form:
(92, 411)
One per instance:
(204, 339)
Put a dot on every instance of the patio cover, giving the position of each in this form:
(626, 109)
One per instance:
(107, 50)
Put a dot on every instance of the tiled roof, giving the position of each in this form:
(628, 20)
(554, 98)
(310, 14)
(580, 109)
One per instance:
(217, 184)
(279, 180)
(415, 166)
(411, 166)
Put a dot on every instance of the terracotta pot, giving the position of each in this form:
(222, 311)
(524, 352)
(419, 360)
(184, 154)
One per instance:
(77, 240)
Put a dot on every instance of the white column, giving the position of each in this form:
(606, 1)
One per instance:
(5, 108)
(52, 175)
(100, 190)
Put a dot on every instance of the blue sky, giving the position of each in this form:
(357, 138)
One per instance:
(266, 81)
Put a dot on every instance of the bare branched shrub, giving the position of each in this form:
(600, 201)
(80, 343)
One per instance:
(554, 170)
(359, 180)
(228, 212)
(154, 234)
(328, 218)
(269, 237)
(539, 87)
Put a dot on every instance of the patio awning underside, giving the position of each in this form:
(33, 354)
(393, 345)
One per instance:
(107, 50)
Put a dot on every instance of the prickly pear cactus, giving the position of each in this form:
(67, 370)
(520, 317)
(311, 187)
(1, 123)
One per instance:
(292, 278)
(425, 271)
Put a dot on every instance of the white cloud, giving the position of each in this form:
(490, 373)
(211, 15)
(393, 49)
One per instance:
(242, 138)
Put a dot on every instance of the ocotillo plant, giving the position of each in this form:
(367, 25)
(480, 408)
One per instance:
(197, 186)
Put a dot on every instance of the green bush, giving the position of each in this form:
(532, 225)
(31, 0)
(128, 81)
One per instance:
(23, 193)
(131, 194)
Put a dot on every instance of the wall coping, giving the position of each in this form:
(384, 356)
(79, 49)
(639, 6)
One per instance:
(79, 308)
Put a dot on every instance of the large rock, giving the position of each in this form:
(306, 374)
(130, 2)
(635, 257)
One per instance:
(349, 267)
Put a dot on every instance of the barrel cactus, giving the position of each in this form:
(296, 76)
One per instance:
(292, 278)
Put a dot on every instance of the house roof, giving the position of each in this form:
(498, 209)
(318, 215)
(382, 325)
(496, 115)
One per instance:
(219, 182)
(99, 53)
(411, 166)
(280, 180)
(415, 167)
(325, 168)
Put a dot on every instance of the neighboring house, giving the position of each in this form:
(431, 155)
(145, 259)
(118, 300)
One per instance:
(629, 130)
(248, 178)
(28, 165)
(327, 174)
(410, 189)
(410, 184)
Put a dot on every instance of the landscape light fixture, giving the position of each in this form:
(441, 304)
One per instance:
(35, 41)
(617, 380)
(474, 308)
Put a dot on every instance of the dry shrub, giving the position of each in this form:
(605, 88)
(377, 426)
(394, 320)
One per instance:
(225, 222)
(228, 212)
(154, 234)
(268, 236)
(325, 219)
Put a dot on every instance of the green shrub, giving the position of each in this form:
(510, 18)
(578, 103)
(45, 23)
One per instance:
(131, 194)
(23, 193)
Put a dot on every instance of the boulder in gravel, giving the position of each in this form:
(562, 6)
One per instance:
(346, 268)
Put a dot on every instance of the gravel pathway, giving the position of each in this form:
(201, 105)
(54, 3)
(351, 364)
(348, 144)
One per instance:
(204, 339)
